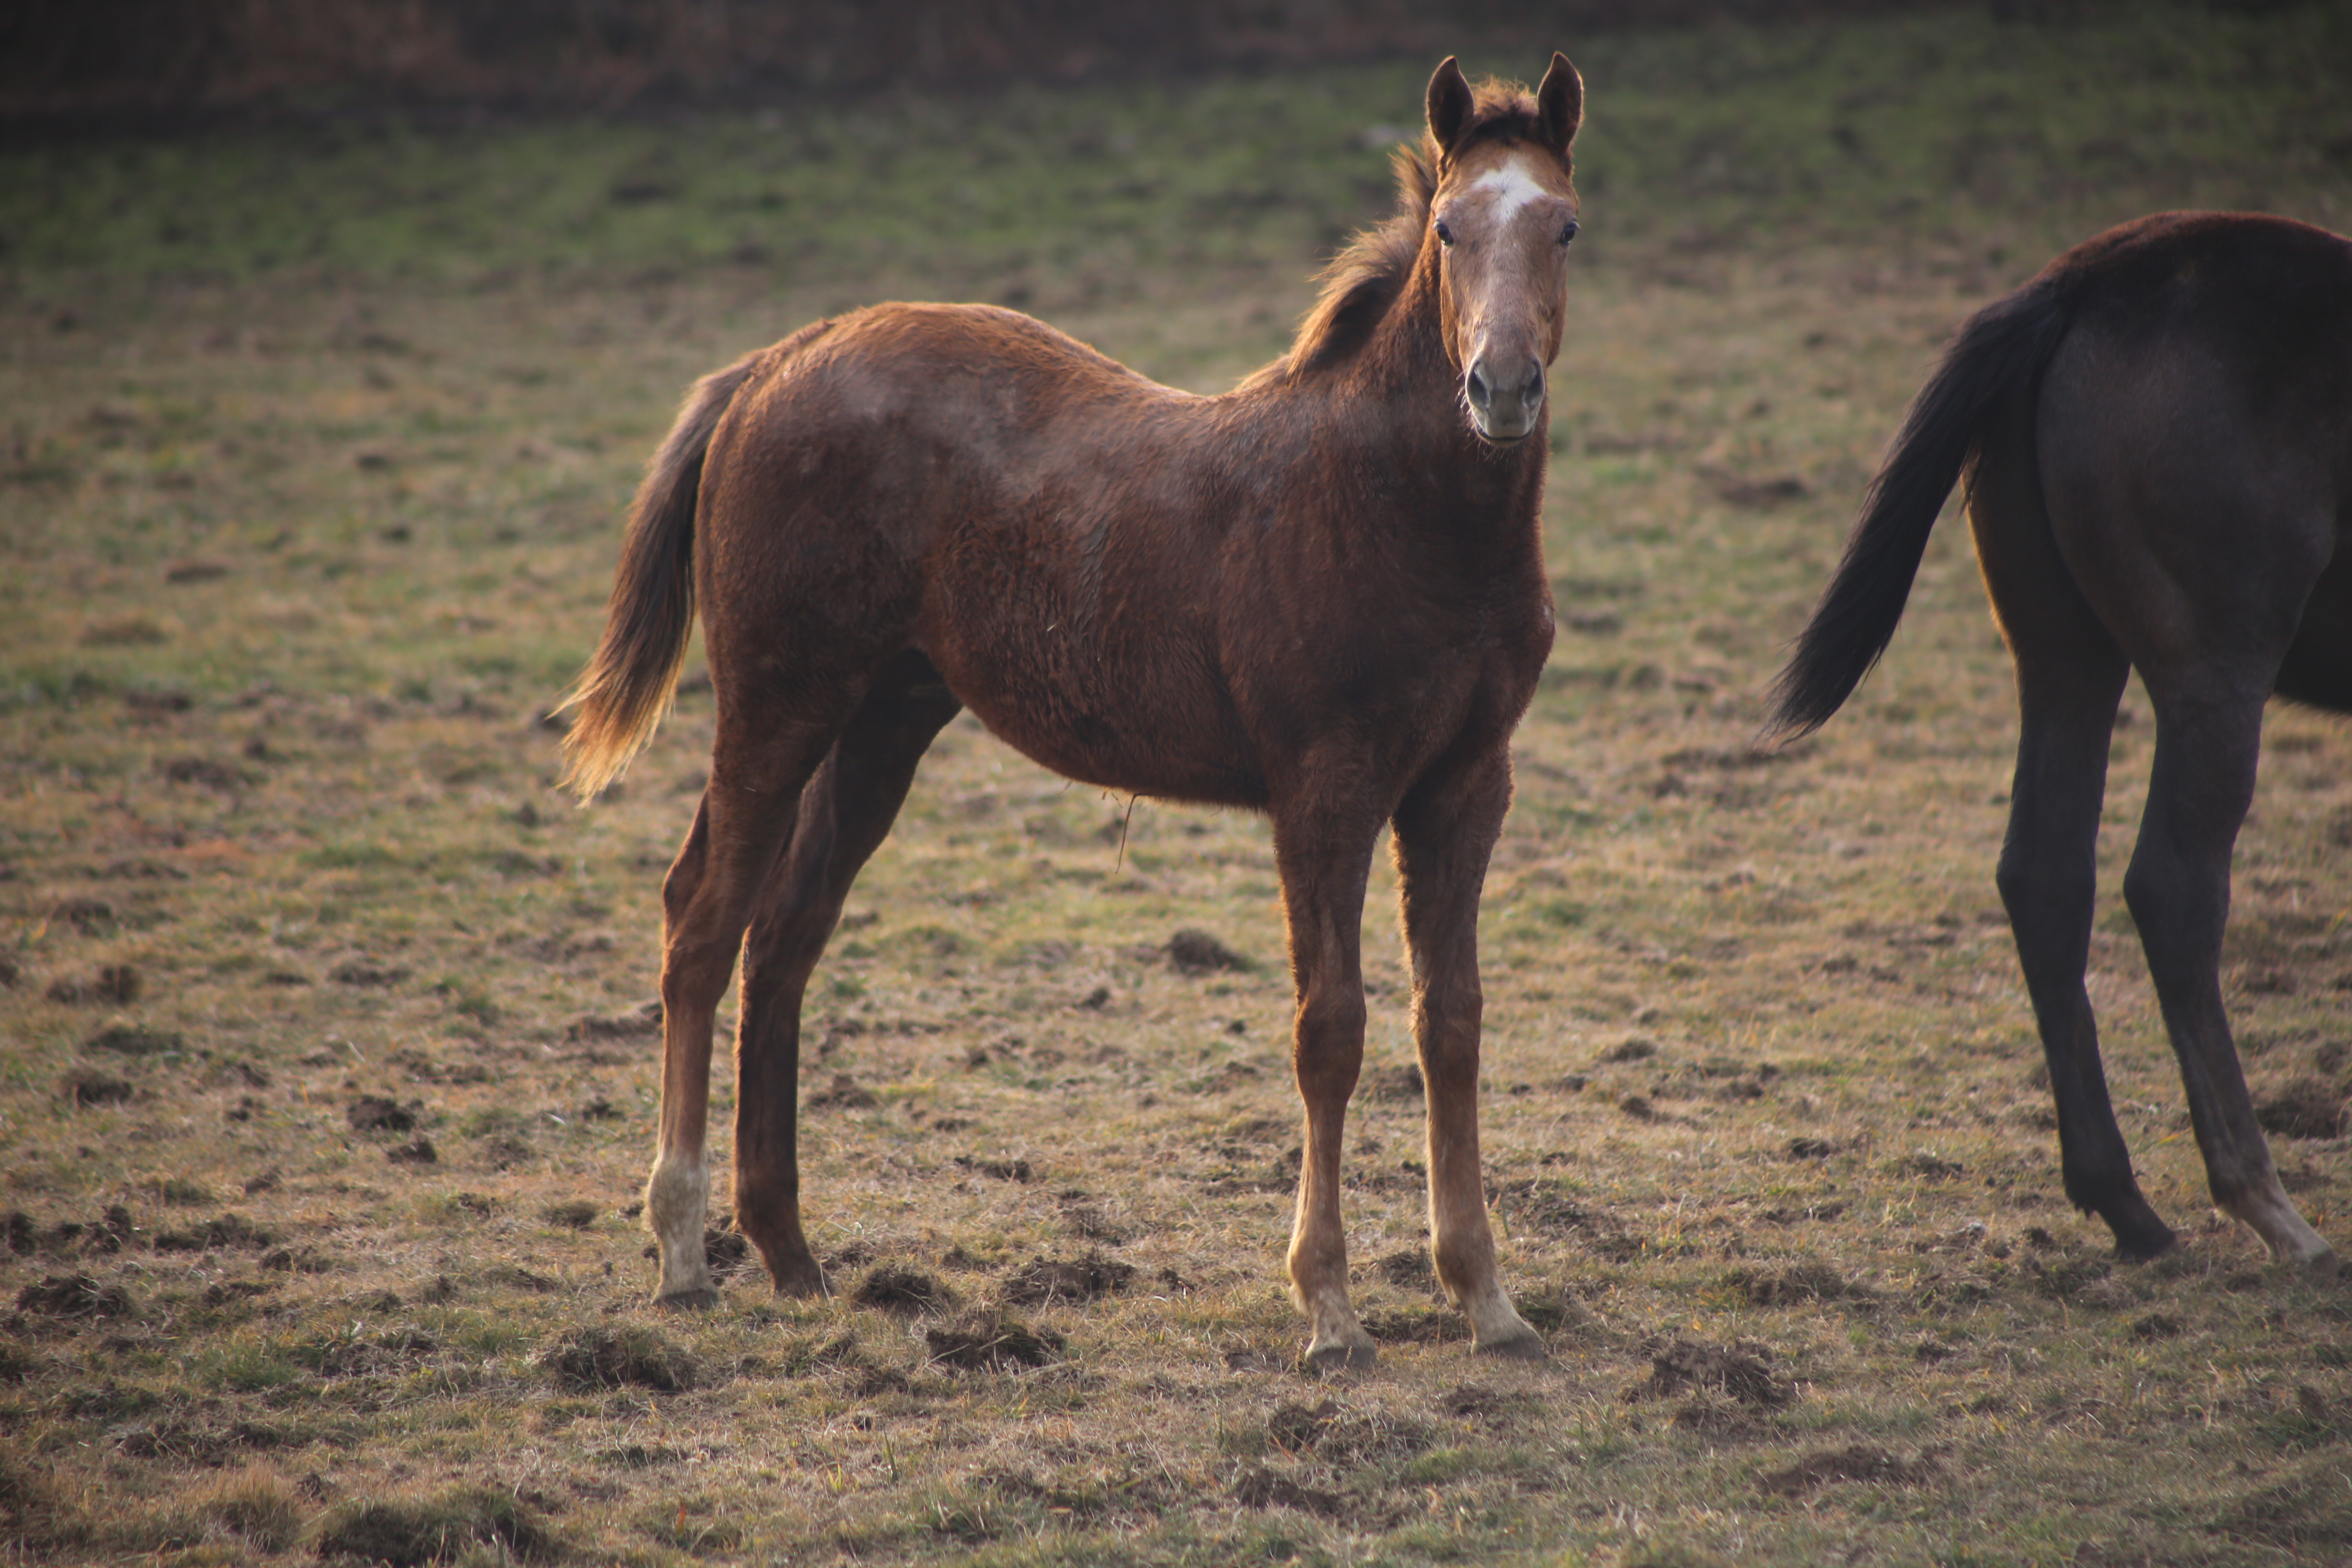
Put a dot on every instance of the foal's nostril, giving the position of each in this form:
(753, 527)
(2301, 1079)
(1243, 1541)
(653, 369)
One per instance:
(1532, 394)
(1480, 394)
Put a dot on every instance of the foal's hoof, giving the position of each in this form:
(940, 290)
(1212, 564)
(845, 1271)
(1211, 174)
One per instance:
(803, 1278)
(700, 1300)
(1525, 1345)
(1340, 1355)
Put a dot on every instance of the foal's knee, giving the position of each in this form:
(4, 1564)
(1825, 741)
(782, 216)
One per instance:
(1330, 1044)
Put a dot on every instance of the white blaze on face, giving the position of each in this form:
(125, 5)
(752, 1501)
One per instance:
(1509, 187)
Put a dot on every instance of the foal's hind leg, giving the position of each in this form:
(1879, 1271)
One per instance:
(746, 814)
(1445, 832)
(1324, 852)
(844, 814)
(2209, 731)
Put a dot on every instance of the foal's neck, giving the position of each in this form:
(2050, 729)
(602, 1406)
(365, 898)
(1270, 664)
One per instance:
(1403, 366)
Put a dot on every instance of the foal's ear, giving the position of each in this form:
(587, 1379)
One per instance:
(1449, 104)
(1560, 101)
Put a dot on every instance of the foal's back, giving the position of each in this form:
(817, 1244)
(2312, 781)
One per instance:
(1139, 587)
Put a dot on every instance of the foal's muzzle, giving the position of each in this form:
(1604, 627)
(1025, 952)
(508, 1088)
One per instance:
(1504, 407)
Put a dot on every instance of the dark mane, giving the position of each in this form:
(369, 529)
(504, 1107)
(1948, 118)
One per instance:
(1366, 278)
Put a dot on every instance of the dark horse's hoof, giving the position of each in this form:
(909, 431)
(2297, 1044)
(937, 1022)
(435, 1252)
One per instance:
(2140, 1234)
(700, 1301)
(2144, 1247)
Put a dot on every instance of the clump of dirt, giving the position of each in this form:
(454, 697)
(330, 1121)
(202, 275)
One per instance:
(2305, 1108)
(33, 1514)
(132, 1040)
(1262, 1488)
(595, 1358)
(1810, 1148)
(2309, 1508)
(1392, 1085)
(86, 1087)
(418, 1151)
(117, 984)
(359, 972)
(844, 1093)
(504, 1151)
(1409, 1267)
(1192, 951)
(992, 1341)
(1713, 1416)
(1341, 1439)
(1862, 1462)
(2068, 1279)
(1797, 1284)
(639, 1024)
(1003, 1170)
(1743, 1372)
(73, 1296)
(725, 1251)
(1417, 1326)
(894, 1288)
(228, 1230)
(86, 915)
(577, 1214)
(1632, 1049)
(438, 1530)
(202, 771)
(1049, 1280)
(379, 1114)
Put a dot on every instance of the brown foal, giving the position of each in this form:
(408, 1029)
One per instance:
(1320, 595)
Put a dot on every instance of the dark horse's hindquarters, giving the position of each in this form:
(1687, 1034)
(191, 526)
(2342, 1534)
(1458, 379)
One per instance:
(1321, 595)
(2158, 434)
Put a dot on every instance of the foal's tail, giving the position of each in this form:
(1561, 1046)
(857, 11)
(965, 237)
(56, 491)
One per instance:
(626, 688)
(1998, 353)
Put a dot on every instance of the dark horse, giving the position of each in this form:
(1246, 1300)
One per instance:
(2157, 437)
(1320, 595)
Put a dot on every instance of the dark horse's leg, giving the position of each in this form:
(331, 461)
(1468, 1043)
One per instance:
(2208, 733)
(1445, 832)
(2070, 673)
(1323, 848)
(763, 755)
(844, 814)
(2197, 517)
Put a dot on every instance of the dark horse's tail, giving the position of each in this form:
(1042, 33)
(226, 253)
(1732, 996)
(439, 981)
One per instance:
(1998, 353)
(627, 686)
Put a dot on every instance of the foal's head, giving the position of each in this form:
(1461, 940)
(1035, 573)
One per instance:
(1504, 211)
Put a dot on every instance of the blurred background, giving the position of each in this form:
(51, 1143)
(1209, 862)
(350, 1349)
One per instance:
(175, 56)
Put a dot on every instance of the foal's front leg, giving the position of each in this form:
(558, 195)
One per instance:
(1324, 859)
(1445, 832)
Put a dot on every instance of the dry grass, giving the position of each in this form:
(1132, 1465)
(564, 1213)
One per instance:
(329, 1085)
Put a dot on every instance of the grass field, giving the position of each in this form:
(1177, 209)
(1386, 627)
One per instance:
(327, 1090)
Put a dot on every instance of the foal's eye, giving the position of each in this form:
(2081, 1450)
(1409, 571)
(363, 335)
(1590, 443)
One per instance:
(1568, 232)
(1444, 235)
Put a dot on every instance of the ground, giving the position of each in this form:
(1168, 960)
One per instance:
(329, 1085)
